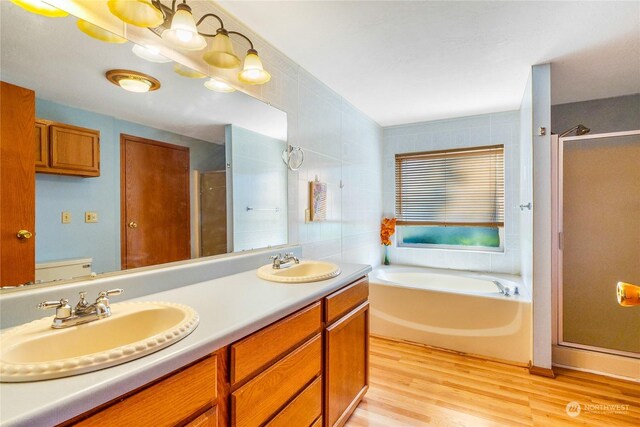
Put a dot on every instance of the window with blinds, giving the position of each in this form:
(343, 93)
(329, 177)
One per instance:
(463, 188)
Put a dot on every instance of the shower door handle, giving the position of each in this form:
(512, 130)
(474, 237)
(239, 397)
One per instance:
(628, 294)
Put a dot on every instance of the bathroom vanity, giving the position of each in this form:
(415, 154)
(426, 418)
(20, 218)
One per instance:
(263, 353)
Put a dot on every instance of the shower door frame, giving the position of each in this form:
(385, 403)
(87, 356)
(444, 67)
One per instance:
(557, 147)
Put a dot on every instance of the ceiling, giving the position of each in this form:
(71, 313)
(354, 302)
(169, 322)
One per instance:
(408, 61)
(53, 58)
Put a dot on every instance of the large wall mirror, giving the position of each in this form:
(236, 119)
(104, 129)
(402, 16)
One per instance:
(184, 171)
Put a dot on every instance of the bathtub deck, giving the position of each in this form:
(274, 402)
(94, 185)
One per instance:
(412, 385)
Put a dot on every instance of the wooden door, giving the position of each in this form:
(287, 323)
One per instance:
(346, 365)
(17, 184)
(213, 213)
(155, 226)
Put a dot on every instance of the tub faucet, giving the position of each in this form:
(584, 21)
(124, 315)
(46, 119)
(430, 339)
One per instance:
(279, 260)
(83, 311)
(502, 288)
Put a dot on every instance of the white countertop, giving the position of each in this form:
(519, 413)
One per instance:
(230, 308)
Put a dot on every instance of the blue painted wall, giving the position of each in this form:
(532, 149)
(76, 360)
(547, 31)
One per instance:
(56, 193)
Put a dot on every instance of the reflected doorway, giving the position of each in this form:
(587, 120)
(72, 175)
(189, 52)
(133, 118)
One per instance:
(213, 213)
(155, 210)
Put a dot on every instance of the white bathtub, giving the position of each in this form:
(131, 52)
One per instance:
(455, 310)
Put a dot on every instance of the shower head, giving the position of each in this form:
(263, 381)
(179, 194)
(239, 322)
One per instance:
(582, 130)
(578, 129)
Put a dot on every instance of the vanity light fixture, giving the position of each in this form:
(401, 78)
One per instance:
(149, 53)
(185, 71)
(98, 33)
(133, 81)
(179, 28)
(141, 13)
(40, 8)
(217, 85)
(183, 33)
(253, 72)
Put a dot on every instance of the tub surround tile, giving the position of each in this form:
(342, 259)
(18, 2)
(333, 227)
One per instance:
(487, 129)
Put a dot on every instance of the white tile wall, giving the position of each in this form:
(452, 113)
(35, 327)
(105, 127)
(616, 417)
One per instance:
(341, 144)
(487, 129)
(260, 182)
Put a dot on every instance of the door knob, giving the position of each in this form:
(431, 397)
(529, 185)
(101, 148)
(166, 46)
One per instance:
(133, 224)
(24, 234)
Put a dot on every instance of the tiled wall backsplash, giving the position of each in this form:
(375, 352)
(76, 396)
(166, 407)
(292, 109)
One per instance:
(343, 147)
(487, 129)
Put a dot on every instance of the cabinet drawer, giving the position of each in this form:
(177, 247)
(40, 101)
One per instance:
(303, 410)
(208, 419)
(258, 350)
(339, 303)
(255, 402)
(166, 403)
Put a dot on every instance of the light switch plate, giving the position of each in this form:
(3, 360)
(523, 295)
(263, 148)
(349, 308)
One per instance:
(90, 217)
(66, 217)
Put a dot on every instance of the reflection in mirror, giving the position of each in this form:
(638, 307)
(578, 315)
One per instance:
(129, 179)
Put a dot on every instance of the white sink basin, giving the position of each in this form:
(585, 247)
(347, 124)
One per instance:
(35, 351)
(305, 272)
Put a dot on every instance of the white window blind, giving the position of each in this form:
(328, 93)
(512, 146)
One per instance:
(452, 187)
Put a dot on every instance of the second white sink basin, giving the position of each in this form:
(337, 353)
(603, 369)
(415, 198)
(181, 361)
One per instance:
(34, 351)
(305, 272)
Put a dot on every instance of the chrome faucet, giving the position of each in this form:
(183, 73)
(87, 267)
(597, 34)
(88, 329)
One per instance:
(279, 260)
(503, 289)
(83, 311)
(506, 291)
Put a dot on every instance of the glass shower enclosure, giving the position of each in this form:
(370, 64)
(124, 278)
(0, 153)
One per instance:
(599, 241)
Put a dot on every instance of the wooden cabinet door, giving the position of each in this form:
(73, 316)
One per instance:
(346, 365)
(17, 184)
(42, 145)
(74, 150)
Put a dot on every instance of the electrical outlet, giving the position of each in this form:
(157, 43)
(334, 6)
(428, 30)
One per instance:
(66, 217)
(91, 217)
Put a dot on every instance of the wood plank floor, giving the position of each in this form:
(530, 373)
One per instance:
(413, 385)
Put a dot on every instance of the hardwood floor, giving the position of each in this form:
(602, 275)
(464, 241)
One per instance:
(413, 385)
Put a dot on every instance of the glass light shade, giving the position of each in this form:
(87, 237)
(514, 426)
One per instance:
(218, 86)
(96, 32)
(253, 72)
(149, 53)
(183, 33)
(140, 13)
(40, 8)
(188, 72)
(135, 85)
(221, 54)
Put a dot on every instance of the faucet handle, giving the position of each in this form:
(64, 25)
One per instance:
(63, 309)
(102, 296)
(82, 304)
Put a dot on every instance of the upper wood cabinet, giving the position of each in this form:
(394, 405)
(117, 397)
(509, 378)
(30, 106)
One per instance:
(67, 150)
(42, 144)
